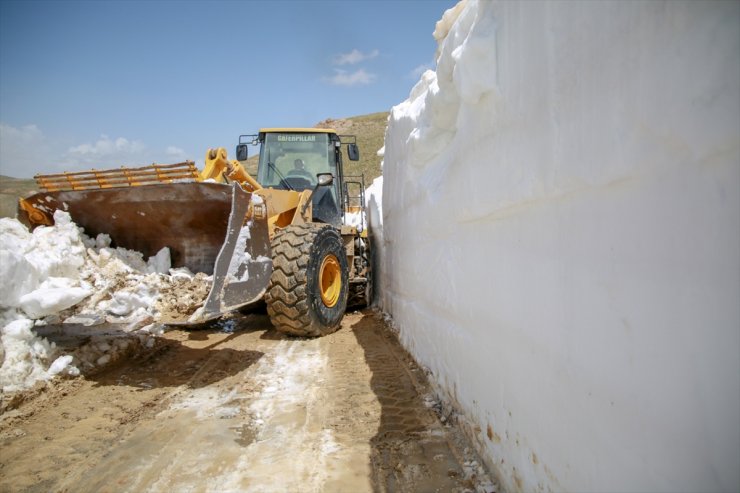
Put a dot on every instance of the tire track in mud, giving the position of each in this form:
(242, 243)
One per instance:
(412, 450)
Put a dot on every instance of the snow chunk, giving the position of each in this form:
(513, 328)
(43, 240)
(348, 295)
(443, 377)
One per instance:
(86, 319)
(102, 241)
(181, 273)
(160, 263)
(54, 295)
(128, 300)
(59, 365)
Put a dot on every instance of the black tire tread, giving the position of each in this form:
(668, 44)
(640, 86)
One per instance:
(287, 296)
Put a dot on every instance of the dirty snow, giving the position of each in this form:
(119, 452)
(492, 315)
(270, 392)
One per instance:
(285, 382)
(290, 380)
(57, 274)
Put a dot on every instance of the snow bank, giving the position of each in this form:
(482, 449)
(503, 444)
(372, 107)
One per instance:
(560, 238)
(57, 274)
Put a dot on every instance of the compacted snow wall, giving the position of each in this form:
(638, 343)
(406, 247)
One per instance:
(560, 237)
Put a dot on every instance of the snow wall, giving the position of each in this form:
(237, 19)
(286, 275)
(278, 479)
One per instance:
(560, 236)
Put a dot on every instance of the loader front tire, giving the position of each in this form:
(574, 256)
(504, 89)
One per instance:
(307, 294)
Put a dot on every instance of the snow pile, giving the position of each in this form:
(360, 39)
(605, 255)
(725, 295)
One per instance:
(57, 274)
(559, 231)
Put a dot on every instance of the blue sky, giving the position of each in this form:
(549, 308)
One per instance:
(104, 83)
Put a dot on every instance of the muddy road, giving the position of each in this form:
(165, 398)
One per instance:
(239, 407)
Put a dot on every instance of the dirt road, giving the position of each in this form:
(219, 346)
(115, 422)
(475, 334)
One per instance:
(239, 407)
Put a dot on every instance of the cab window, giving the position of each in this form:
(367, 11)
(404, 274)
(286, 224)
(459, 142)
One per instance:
(292, 160)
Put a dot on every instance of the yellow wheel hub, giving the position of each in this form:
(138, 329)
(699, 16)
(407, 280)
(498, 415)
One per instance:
(330, 280)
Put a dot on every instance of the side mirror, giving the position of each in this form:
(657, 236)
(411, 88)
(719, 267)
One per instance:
(242, 152)
(324, 179)
(353, 152)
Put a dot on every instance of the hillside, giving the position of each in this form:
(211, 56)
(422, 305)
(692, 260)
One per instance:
(370, 132)
(10, 190)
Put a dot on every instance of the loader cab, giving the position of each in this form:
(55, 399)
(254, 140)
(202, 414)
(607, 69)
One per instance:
(291, 159)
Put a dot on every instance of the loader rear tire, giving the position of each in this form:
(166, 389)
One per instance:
(307, 294)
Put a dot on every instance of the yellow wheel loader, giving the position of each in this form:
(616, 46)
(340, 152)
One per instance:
(282, 237)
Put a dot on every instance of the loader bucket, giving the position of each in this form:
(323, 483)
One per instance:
(199, 222)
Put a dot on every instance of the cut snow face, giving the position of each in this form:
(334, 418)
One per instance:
(57, 274)
(551, 202)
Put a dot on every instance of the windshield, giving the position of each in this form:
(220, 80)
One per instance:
(292, 160)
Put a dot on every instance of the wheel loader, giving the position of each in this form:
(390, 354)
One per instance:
(282, 236)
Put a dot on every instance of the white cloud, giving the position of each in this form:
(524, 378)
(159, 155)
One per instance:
(113, 153)
(105, 147)
(357, 77)
(354, 56)
(24, 135)
(26, 150)
(349, 79)
(176, 153)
